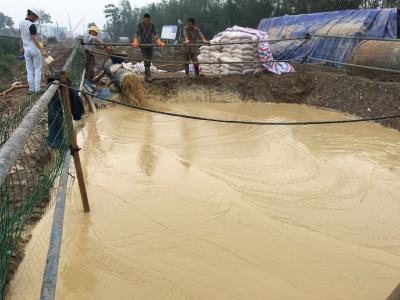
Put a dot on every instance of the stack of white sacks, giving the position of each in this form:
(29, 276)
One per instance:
(232, 53)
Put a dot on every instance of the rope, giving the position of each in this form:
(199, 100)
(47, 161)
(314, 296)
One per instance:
(234, 121)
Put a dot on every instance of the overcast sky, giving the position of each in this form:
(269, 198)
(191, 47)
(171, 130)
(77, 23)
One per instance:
(89, 10)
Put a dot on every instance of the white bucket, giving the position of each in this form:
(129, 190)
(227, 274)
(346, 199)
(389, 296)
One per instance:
(49, 59)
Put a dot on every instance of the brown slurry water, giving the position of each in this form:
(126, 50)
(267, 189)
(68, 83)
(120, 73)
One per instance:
(189, 209)
(132, 89)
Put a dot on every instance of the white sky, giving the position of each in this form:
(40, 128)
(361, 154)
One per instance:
(89, 10)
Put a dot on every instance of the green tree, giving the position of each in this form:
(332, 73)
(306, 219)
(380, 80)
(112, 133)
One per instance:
(113, 19)
(122, 19)
(44, 20)
(380, 3)
(213, 16)
(5, 21)
(391, 3)
(127, 19)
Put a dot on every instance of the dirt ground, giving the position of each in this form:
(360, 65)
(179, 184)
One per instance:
(320, 86)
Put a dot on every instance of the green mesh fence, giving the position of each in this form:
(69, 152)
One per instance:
(25, 192)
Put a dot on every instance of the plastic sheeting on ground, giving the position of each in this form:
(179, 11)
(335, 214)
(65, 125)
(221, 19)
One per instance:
(373, 23)
(134, 68)
(100, 95)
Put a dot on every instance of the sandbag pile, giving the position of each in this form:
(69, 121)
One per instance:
(239, 50)
(236, 53)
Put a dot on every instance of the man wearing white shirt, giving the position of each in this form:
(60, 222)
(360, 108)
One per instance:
(31, 49)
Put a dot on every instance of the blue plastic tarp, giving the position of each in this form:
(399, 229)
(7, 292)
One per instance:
(371, 23)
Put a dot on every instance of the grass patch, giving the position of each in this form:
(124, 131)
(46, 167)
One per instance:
(10, 66)
(4, 87)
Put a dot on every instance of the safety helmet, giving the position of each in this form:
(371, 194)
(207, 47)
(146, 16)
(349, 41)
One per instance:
(94, 28)
(36, 11)
(41, 44)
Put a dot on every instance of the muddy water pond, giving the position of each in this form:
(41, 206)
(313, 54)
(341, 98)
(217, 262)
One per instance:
(192, 209)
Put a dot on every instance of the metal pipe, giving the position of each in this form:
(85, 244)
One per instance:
(117, 76)
(48, 291)
(12, 148)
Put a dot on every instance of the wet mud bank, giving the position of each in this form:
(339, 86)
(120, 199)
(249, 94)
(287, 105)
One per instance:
(317, 86)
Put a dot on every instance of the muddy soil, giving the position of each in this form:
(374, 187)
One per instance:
(320, 86)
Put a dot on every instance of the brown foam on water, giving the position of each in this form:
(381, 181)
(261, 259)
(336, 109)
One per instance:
(246, 211)
(132, 89)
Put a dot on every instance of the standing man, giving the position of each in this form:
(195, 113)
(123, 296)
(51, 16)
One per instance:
(189, 49)
(146, 30)
(31, 49)
(89, 39)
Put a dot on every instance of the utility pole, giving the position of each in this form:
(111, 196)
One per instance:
(77, 25)
(70, 27)
(180, 28)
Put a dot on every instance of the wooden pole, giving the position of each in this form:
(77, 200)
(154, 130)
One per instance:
(13, 88)
(97, 78)
(307, 37)
(74, 146)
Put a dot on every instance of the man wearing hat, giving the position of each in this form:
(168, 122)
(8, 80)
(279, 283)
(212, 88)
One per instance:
(90, 38)
(30, 48)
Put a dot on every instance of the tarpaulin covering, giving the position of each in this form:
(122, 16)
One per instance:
(372, 23)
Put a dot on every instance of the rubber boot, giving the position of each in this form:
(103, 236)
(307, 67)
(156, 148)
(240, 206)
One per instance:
(196, 71)
(147, 74)
(187, 70)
